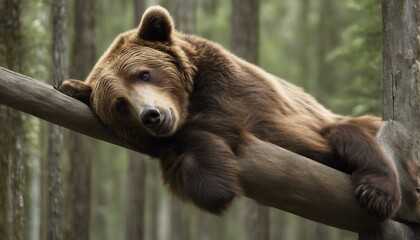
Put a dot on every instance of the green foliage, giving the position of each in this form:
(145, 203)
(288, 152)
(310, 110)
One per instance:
(37, 38)
(361, 58)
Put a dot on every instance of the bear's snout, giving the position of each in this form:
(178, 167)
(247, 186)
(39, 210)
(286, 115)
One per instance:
(157, 121)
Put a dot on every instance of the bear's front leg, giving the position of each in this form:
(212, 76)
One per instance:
(202, 168)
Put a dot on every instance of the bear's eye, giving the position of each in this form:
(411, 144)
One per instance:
(143, 76)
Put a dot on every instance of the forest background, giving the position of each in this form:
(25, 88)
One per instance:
(330, 48)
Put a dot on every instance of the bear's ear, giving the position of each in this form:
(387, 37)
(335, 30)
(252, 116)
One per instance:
(76, 89)
(156, 25)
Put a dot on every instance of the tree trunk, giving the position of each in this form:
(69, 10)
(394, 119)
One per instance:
(80, 146)
(185, 20)
(303, 38)
(180, 224)
(136, 173)
(55, 136)
(244, 40)
(245, 44)
(136, 196)
(326, 39)
(401, 111)
(11, 129)
(139, 7)
(185, 15)
(153, 199)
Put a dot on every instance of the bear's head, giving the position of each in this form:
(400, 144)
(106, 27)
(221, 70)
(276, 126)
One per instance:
(141, 85)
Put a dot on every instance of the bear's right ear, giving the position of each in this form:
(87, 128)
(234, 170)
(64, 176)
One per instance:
(156, 25)
(76, 89)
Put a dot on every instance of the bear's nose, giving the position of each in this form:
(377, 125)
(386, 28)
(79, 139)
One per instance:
(150, 116)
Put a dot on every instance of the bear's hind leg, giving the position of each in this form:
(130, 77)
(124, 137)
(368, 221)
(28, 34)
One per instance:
(376, 179)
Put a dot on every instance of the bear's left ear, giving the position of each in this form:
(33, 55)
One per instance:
(156, 25)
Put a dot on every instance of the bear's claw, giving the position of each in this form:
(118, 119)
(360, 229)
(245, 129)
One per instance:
(378, 199)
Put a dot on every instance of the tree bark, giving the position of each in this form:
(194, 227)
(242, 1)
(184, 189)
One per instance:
(12, 139)
(55, 136)
(80, 147)
(401, 110)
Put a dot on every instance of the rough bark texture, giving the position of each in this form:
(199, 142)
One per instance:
(401, 110)
(11, 129)
(80, 147)
(401, 95)
(55, 135)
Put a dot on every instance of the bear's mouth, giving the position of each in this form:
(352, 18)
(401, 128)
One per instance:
(158, 121)
(167, 123)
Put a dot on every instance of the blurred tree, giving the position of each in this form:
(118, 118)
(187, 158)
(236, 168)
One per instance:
(80, 146)
(136, 172)
(302, 39)
(210, 6)
(12, 140)
(328, 39)
(245, 43)
(185, 15)
(360, 56)
(185, 19)
(136, 195)
(55, 135)
(245, 29)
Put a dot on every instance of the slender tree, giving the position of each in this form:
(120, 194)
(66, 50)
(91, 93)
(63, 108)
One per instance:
(136, 196)
(245, 29)
(401, 110)
(55, 136)
(152, 183)
(245, 43)
(326, 39)
(12, 132)
(136, 182)
(80, 146)
(303, 34)
(185, 15)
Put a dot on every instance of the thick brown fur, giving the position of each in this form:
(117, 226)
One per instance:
(215, 99)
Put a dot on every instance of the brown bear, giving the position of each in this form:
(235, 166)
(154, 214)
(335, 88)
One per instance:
(193, 104)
